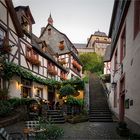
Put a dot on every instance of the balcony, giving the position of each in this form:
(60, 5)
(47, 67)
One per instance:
(33, 60)
(52, 71)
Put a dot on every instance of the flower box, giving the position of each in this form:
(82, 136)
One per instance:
(61, 47)
(33, 60)
(62, 62)
(5, 49)
(63, 77)
(75, 64)
(52, 71)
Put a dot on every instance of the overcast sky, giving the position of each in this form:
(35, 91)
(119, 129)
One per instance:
(78, 19)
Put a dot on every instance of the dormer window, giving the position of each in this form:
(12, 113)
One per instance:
(25, 24)
(49, 31)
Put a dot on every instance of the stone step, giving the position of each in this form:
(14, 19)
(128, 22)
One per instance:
(100, 120)
(99, 110)
(101, 114)
(55, 116)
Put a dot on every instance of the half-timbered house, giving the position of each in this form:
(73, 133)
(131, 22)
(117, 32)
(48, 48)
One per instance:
(32, 59)
(63, 48)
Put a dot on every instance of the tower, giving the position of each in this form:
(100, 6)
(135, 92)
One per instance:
(50, 20)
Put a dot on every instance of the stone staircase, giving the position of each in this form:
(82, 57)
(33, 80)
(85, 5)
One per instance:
(55, 116)
(99, 110)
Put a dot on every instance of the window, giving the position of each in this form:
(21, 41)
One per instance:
(49, 31)
(123, 45)
(35, 55)
(136, 17)
(25, 24)
(28, 51)
(2, 35)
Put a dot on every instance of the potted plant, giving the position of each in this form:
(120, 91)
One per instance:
(122, 129)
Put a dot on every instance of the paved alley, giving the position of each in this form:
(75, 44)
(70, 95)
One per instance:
(80, 131)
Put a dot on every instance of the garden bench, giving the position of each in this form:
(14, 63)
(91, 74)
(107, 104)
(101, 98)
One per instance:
(10, 136)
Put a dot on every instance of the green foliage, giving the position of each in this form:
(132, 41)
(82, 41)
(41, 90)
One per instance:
(105, 78)
(92, 62)
(15, 102)
(11, 69)
(86, 79)
(73, 101)
(78, 84)
(5, 108)
(52, 132)
(67, 90)
(3, 94)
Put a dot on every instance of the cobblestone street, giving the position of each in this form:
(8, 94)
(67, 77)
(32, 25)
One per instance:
(81, 131)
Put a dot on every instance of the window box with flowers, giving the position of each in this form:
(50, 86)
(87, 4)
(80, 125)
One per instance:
(75, 64)
(63, 77)
(62, 61)
(52, 71)
(5, 47)
(33, 60)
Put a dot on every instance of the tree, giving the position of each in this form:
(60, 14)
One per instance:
(92, 62)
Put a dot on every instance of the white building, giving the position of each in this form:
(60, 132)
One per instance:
(125, 62)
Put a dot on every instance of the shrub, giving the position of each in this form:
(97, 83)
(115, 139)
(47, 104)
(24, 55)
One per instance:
(67, 90)
(52, 131)
(5, 108)
(3, 94)
(78, 119)
(73, 101)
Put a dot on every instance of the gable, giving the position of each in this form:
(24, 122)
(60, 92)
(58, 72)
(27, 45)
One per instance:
(53, 38)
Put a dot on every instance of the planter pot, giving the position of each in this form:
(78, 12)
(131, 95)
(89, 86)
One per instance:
(123, 131)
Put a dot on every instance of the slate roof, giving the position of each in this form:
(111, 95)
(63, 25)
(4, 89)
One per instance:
(46, 55)
(53, 42)
(79, 45)
(107, 55)
(27, 9)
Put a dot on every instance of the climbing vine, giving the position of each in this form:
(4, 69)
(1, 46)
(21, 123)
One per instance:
(11, 69)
